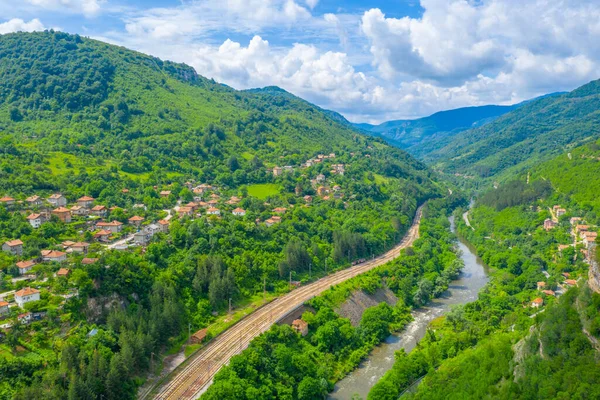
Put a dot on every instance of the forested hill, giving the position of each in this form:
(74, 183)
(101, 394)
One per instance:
(135, 114)
(419, 136)
(523, 137)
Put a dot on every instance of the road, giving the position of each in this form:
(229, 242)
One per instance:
(120, 243)
(197, 372)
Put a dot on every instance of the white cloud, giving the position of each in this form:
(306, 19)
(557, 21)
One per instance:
(87, 7)
(18, 25)
(311, 3)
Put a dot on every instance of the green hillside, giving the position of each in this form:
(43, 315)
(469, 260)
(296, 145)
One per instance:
(523, 137)
(219, 196)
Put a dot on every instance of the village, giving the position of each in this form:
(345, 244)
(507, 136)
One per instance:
(104, 227)
(584, 243)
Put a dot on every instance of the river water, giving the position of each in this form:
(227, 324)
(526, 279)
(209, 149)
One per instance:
(464, 290)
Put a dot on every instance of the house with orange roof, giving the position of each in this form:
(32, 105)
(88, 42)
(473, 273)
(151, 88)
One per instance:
(213, 211)
(136, 220)
(103, 235)
(165, 193)
(541, 285)
(26, 295)
(35, 220)
(589, 238)
(549, 292)
(308, 199)
(80, 247)
(25, 266)
(240, 212)
(79, 211)
(64, 214)
(185, 211)
(300, 326)
(34, 201)
(164, 225)
(280, 210)
(99, 211)
(63, 273)
(85, 202)
(4, 310)
(7, 201)
(14, 247)
(57, 200)
(272, 221)
(537, 302)
(113, 226)
(54, 255)
(571, 282)
(89, 261)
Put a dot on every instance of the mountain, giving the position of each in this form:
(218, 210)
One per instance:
(520, 139)
(64, 97)
(413, 134)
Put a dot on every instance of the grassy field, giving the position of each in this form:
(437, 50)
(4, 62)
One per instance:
(262, 191)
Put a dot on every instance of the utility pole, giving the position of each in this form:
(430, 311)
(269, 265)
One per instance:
(310, 271)
(230, 305)
(325, 265)
(264, 289)
(290, 279)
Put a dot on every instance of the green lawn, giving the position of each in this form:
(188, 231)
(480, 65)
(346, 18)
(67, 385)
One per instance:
(264, 190)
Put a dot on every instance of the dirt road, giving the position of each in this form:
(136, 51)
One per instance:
(196, 374)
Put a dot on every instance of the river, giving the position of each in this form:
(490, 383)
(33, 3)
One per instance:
(464, 290)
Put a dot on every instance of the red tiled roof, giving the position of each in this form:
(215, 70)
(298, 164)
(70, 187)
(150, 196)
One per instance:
(88, 261)
(13, 243)
(26, 292)
(26, 264)
(136, 218)
(86, 198)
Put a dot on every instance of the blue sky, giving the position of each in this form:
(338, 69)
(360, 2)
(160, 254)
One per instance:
(370, 60)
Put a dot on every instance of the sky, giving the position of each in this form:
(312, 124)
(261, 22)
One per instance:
(372, 61)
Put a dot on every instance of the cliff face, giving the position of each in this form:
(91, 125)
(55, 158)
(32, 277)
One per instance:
(356, 304)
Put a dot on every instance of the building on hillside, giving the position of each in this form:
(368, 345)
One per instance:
(240, 212)
(36, 220)
(273, 220)
(338, 169)
(541, 285)
(280, 210)
(14, 247)
(560, 212)
(99, 211)
(308, 199)
(549, 224)
(537, 302)
(589, 238)
(63, 273)
(575, 220)
(89, 261)
(136, 220)
(103, 235)
(64, 214)
(165, 193)
(213, 211)
(185, 212)
(113, 226)
(549, 292)
(79, 211)
(25, 266)
(571, 282)
(322, 191)
(164, 225)
(26, 295)
(80, 247)
(57, 200)
(199, 336)
(7, 201)
(4, 310)
(54, 256)
(141, 238)
(277, 171)
(300, 326)
(579, 229)
(85, 202)
(34, 201)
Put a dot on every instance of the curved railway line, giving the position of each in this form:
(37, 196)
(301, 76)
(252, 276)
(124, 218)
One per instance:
(190, 381)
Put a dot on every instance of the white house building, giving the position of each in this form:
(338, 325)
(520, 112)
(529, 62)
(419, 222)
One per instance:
(26, 295)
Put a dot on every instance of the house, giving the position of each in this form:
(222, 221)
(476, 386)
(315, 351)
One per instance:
(560, 212)
(165, 193)
(85, 201)
(537, 302)
(272, 221)
(308, 199)
(280, 210)
(277, 171)
(322, 191)
(213, 211)
(79, 211)
(99, 211)
(54, 255)
(124, 191)
(164, 225)
(566, 274)
(26, 295)
(14, 247)
(103, 235)
(25, 266)
(113, 226)
(300, 326)
(34, 201)
(7, 201)
(541, 285)
(136, 220)
(4, 308)
(194, 206)
(80, 247)
(67, 244)
(24, 318)
(571, 282)
(142, 238)
(234, 200)
(185, 211)
(240, 212)
(57, 200)
(338, 169)
(575, 220)
(35, 220)
(64, 214)
(89, 261)
(199, 336)
(153, 229)
(63, 273)
(579, 229)
(549, 224)
(320, 178)
(337, 188)
(338, 195)
(589, 238)
(549, 292)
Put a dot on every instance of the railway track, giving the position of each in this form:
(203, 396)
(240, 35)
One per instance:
(195, 377)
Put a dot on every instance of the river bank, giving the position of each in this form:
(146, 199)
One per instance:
(461, 291)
